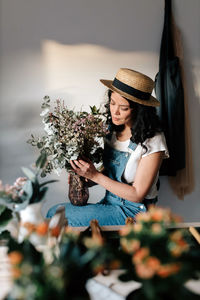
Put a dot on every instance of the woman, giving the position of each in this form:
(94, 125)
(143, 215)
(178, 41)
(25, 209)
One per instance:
(133, 152)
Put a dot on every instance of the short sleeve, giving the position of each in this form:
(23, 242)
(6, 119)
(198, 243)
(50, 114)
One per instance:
(156, 144)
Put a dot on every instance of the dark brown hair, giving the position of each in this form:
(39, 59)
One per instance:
(146, 122)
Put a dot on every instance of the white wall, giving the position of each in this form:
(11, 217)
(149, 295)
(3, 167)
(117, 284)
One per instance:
(62, 48)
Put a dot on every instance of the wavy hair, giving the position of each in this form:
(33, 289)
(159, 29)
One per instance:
(145, 121)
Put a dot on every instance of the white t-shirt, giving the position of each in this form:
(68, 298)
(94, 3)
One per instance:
(154, 144)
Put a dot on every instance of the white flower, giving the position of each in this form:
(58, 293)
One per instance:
(57, 145)
(51, 157)
(74, 156)
(44, 112)
(19, 182)
(48, 129)
(58, 171)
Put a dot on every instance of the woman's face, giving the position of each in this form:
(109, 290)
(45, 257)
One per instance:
(120, 110)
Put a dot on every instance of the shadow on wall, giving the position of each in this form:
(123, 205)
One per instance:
(73, 71)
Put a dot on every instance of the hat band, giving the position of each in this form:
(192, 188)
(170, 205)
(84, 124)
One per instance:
(130, 90)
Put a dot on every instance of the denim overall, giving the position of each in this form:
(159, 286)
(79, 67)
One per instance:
(111, 210)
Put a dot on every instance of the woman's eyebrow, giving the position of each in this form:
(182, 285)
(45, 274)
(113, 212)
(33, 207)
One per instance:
(126, 105)
(121, 104)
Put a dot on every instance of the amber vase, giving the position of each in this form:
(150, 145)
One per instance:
(78, 190)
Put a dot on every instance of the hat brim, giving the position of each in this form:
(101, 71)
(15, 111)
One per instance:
(152, 101)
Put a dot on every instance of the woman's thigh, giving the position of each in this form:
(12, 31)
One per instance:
(82, 215)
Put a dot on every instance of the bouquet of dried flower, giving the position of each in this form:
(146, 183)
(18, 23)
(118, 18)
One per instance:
(70, 135)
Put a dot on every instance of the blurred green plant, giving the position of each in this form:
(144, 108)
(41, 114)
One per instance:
(16, 197)
(34, 279)
(63, 276)
(149, 251)
(160, 258)
(60, 268)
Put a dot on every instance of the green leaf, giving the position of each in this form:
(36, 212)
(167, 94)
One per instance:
(5, 217)
(94, 110)
(40, 162)
(29, 141)
(29, 174)
(42, 193)
(6, 202)
(5, 235)
(43, 174)
(40, 145)
(2, 208)
(47, 182)
(46, 98)
(28, 189)
(87, 257)
(43, 160)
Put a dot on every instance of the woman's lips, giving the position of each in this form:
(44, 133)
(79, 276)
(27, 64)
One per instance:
(115, 119)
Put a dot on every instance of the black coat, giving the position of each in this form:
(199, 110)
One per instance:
(170, 93)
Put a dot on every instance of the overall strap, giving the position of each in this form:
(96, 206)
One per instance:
(132, 145)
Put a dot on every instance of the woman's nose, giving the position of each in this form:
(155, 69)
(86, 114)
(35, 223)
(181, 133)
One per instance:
(116, 110)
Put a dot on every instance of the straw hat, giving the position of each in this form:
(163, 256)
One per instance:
(134, 86)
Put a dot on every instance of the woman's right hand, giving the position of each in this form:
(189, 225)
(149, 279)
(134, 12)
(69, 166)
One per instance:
(89, 182)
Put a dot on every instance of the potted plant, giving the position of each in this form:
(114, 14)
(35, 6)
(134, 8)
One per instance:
(160, 258)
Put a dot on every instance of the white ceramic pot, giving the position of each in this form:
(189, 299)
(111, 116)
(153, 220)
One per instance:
(31, 214)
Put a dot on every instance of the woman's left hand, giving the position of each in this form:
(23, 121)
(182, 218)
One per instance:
(83, 168)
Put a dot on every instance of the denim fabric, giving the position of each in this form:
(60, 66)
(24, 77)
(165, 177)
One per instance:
(111, 210)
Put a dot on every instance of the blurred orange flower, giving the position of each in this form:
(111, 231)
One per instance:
(55, 231)
(15, 257)
(115, 264)
(146, 267)
(168, 269)
(156, 228)
(143, 271)
(42, 229)
(143, 216)
(153, 262)
(29, 226)
(99, 268)
(141, 254)
(137, 227)
(176, 235)
(157, 215)
(130, 246)
(126, 229)
(178, 248)
(16, 272)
